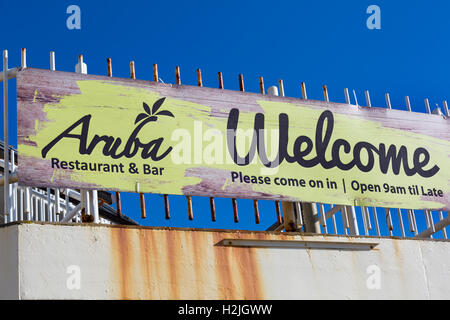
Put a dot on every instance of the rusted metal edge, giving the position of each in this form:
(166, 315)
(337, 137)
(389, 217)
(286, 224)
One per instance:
(240, 232)
(298, 244)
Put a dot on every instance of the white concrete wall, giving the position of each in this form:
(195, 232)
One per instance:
(151, 263)
(9, 262)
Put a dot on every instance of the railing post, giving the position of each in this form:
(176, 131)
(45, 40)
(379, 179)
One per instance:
(6, 198)
(310, 216)
(94, 205)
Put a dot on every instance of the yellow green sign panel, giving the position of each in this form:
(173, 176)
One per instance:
(94, 132)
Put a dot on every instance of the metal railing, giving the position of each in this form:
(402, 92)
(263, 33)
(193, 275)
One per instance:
(38, 204)
(377, 221)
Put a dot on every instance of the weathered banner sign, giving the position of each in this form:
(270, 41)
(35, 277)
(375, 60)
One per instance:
(95, 132)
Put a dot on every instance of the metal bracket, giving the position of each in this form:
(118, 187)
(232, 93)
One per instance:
(298, 244)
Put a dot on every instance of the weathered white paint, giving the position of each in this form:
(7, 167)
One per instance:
(142, 263)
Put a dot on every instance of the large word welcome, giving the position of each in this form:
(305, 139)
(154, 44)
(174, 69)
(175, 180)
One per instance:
(304, 147)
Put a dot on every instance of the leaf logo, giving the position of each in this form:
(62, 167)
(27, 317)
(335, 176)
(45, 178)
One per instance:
(152, 115)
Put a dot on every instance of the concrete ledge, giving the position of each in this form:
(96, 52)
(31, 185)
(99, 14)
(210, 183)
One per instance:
(49, 261)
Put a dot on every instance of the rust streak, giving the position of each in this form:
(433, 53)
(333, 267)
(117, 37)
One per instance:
(120, 254)
(224, 274)
(172, 253)
(238, 271)
(156, 265)
(197, 245)
(144, 251)
(250, 272)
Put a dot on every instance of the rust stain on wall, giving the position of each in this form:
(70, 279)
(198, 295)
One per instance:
(173, 258)
(144, 254)
(120, 250)
(238, 270)
(184, 264)
(223, 270)
(249, 272)
(201, 270)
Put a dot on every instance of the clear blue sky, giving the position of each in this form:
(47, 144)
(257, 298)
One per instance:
(319, 42)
